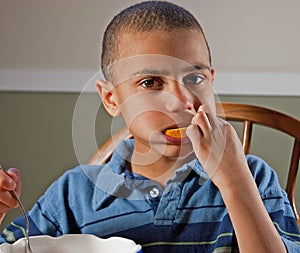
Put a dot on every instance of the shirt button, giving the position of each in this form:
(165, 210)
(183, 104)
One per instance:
(154, 193)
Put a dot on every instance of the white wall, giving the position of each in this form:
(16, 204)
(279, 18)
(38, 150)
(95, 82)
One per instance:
(45, 45)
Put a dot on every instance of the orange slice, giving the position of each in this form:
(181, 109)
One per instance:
(176, 132)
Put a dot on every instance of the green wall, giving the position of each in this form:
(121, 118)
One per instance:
(36, 136)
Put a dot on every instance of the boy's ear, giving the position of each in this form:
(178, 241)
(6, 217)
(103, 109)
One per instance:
(213, 73)
(108, 97)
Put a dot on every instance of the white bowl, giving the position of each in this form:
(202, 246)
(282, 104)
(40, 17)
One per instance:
(73, 243)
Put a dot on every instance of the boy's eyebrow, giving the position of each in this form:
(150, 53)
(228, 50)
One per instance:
(158, 72)
(196, 67)
(145, 71)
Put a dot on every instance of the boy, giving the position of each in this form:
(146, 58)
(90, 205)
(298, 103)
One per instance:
(197, 193)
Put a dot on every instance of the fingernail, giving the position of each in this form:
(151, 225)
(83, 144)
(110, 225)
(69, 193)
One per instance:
(202, 108)
(13, 170)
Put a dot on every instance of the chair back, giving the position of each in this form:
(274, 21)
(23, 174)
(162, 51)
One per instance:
(252, 114)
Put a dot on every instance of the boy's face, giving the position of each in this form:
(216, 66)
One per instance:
(162, 79)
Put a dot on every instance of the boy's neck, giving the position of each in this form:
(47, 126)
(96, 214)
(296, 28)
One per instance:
(161, 170)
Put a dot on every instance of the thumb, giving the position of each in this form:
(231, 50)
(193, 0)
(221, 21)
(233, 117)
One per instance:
(15, 176)
(194, 134)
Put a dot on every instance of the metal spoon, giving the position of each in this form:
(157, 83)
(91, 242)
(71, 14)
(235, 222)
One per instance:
(13, 193)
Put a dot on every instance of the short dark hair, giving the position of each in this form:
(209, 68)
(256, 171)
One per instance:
(146, 16)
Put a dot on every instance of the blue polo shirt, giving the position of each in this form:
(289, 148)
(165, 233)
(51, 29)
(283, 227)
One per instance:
(188, 215)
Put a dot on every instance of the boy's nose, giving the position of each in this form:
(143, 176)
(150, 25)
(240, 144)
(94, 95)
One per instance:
(180, 98)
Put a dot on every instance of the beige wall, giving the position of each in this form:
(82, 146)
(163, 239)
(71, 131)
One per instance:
(244, 35)
(36, 127)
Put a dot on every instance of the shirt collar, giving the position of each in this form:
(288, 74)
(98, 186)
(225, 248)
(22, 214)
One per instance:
(112, 181)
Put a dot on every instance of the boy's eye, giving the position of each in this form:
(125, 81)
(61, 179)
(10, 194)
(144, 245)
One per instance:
(151, 84)
(193, 79)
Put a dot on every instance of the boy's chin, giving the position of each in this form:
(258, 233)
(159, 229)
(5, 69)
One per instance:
(183, 151)
(160, 149)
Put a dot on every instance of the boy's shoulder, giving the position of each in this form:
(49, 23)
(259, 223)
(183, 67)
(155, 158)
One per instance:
(259, 167)
(116, 164)
(265, 176)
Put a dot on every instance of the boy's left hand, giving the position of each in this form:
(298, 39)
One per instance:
(218, 148)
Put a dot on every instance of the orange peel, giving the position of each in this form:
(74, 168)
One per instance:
(176, 132)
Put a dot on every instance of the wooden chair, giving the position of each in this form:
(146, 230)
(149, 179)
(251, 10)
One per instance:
(249, 114)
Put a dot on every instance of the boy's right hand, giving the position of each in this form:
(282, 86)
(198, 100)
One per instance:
(10, 180)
